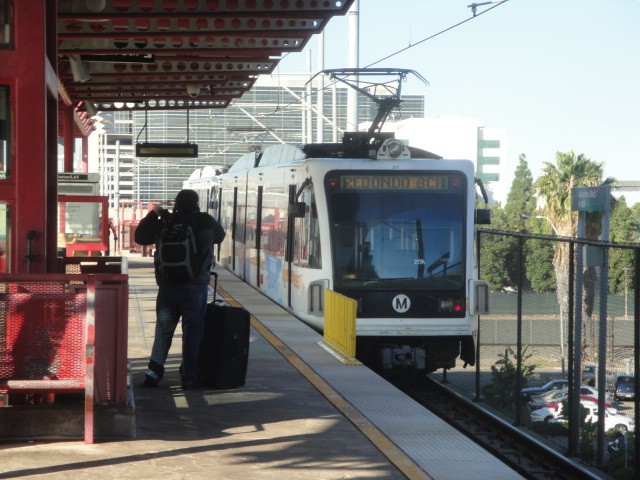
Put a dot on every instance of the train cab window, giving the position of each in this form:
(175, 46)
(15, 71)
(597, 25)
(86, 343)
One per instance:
(384, 235)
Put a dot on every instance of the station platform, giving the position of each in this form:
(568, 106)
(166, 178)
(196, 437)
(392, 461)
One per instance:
(303, 414)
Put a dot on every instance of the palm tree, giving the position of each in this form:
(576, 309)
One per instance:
(555, 185)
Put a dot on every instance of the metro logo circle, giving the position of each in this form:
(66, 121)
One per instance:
(401, 303)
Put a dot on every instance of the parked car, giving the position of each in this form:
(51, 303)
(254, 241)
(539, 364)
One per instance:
(583, 400)
(612, 420)
(552, 396)
(625, 388)
(539, 401)
(593, 392)
(553, 409)
(552, 386)
(544, 414)
(620, 422)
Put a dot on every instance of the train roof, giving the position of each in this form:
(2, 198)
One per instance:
(354, 145)
(207, 171)
(339, 150)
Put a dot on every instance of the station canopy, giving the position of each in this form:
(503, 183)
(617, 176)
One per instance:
(177, 54)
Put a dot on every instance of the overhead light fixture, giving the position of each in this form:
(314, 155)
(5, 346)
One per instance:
(90, 108)
(193, 90)
(148, 58)
(79, 69)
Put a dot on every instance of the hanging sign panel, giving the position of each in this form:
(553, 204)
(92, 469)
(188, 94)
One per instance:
(182, 150)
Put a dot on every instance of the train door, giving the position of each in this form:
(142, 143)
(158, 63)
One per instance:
(306, 263)
(240, 229)
(252, 233)
(232, 219)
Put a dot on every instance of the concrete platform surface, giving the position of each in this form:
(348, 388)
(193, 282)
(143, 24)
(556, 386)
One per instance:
(276, 426)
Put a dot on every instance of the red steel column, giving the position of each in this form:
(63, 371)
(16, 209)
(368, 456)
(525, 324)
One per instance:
(34, 159)
(68, 140)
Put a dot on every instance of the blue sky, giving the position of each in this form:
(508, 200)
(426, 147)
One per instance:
(556, 75)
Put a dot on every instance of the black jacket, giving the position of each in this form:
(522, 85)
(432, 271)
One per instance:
(208, 232)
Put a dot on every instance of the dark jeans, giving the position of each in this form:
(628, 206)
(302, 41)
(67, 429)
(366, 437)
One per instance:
(174, 301)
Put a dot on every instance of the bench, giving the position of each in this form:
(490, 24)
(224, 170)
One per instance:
(47, 330)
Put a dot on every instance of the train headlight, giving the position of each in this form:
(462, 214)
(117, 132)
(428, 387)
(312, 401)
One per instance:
(395, 148)
(392, 149)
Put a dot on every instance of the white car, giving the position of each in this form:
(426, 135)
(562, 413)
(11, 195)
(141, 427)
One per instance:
(544, 414)
(611, 419)
(552, 412)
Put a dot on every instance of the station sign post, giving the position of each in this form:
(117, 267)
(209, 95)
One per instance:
(584, 200)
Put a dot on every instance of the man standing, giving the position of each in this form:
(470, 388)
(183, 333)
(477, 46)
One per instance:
(182, 298)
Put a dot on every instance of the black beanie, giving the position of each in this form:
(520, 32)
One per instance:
(187, 200)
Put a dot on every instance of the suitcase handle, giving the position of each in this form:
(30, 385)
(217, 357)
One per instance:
(215, 288)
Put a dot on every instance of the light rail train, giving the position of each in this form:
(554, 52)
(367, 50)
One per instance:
(391, 227)
(386, 224)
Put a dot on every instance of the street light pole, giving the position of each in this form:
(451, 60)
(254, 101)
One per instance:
(555, 230)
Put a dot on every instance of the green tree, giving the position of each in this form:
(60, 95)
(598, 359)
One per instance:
(635, 209)
(494, 252)
(624, 228)
(501, 392)
(539, 263)
(521, 201)
(555, 186)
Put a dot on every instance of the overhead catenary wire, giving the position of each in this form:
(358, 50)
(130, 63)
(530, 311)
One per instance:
(476, 14)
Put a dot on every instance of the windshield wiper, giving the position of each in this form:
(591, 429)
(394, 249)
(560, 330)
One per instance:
(440, 262)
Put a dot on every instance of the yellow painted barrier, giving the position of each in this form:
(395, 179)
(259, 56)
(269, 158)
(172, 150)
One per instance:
(340, 323)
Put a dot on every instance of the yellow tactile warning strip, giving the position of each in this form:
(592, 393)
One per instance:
(396, 456)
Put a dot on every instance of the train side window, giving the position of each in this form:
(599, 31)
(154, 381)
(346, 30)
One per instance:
(274, 223)
(240, 223)
(212, 201)
(307, 252)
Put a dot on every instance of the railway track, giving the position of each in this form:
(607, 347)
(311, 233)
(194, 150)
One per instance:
(525, 454)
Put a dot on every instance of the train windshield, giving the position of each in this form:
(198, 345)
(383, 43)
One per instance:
(400, 229)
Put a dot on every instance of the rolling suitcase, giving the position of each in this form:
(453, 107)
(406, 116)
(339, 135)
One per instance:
(224, 351)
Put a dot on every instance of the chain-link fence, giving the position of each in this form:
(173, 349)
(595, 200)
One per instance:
(561, 336)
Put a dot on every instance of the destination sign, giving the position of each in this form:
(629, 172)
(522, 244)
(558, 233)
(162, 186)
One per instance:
(394, 182)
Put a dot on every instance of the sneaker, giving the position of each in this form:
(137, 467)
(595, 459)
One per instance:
(150, 382)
